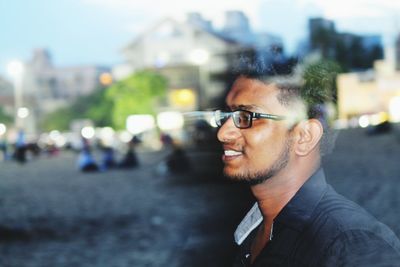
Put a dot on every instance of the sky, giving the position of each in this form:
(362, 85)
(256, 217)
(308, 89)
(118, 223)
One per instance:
(81, 32)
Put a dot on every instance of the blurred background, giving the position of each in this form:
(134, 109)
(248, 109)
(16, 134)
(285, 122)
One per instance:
(105, 160)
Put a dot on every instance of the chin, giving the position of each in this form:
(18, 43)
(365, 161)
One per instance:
(250, 178)
(236, 175)
(232, 176)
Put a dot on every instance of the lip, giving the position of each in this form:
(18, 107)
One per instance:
(231, 154)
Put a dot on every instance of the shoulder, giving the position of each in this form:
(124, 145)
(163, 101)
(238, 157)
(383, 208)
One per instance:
(338, 214)
(362, 248)
(350, 236)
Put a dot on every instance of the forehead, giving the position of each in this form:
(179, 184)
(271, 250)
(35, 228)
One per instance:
(252, 92)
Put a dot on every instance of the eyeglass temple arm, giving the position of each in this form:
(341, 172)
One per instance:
(268, 116)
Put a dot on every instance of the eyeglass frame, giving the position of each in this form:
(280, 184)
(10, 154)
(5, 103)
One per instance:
(253, 115)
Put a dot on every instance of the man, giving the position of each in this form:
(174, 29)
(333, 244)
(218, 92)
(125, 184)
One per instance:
(272, 135)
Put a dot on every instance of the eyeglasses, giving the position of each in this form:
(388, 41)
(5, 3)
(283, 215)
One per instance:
(242, 118)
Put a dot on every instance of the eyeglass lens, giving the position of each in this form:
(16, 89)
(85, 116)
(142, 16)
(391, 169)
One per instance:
(241, 118)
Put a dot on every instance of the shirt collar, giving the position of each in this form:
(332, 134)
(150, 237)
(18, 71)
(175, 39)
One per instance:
(295, 214)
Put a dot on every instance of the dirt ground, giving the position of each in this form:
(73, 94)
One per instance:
(54, 215)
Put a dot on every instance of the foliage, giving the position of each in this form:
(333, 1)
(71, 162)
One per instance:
(94, 106)
(135, 95)
(4, 117)
(59, 119)
(320, 81)
(99, 109)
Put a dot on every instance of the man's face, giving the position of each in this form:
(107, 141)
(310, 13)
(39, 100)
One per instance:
(257, 153)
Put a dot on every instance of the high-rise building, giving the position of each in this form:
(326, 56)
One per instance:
(322, 34)
(316, 24)
(41, 59)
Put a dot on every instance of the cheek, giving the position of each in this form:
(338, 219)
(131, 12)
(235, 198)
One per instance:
(264, 146)
(261, 137)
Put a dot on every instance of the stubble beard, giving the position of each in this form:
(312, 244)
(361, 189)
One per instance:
(261, 176)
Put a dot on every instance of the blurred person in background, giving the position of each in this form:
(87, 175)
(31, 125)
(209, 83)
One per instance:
(20, 147)
(178, 160)
(4, 148)
(108, 158)
(274, 133)
(130, 159)
(86, 161)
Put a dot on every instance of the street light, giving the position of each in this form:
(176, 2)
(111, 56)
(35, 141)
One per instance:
(16, 71)
(15, 68)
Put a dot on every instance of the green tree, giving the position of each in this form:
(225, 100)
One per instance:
(136, 94)
(111, 106)
(93, 106)
(100, 108)
(59, 119)
(320, 81)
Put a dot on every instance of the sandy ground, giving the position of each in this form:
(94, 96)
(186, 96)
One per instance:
(53, 215)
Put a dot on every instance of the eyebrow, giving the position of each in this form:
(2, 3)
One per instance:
(245, 107)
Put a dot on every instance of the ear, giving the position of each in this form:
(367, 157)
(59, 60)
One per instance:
(308, 134)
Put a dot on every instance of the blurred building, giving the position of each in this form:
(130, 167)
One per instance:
(351, 51)
(196, 58)
(373, 95)
(316, 25)
(321, 36)
(46, 87)
(196, 19)
(52, 86)
(6, 95)
(237, 27)
(397, 52)
(268, 46)
(188, 55)
(371, 41)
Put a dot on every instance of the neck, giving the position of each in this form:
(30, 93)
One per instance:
(273, 195)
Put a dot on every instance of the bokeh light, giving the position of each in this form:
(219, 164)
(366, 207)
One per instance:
(88, 132)
(136, 124)
(170, 120)
(394, 109)
(23, 112)
(15, 68)
(3, 128)
(363, 121)
(106, 79)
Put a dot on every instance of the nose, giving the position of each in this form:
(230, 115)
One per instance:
(228, 132)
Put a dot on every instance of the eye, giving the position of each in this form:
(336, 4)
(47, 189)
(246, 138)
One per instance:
(242, 119)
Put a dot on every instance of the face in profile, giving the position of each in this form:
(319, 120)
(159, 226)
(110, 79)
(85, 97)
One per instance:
(257, 153)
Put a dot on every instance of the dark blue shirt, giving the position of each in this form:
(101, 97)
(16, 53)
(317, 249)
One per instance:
(319, 227)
